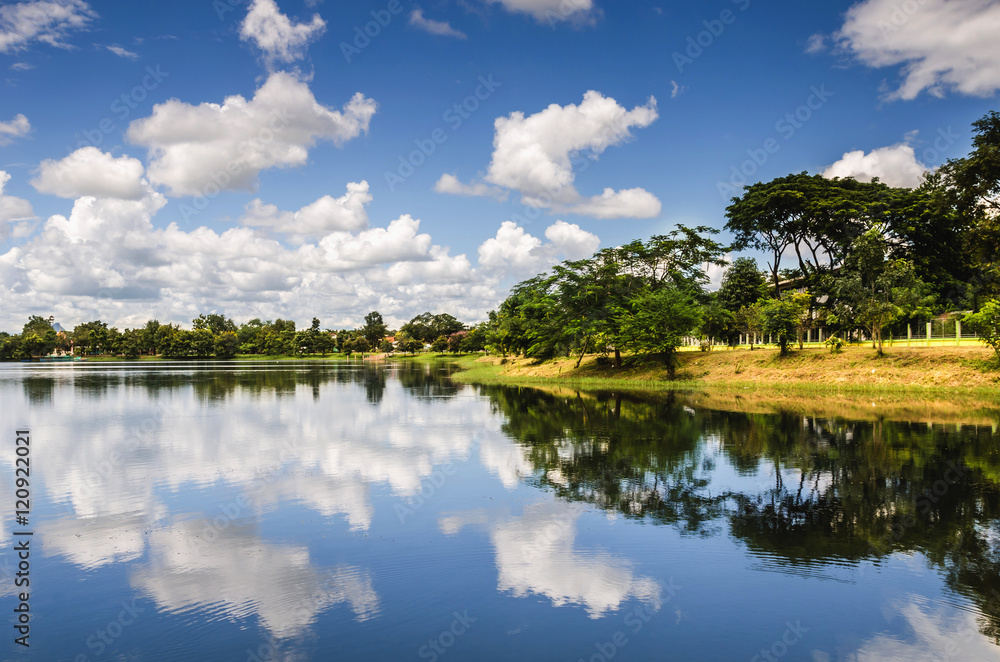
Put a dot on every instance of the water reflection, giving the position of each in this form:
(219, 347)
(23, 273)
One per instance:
(536, 554)
(839, 490)
(185, 477)
(237, 573)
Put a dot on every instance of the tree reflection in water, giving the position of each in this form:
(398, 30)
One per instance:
(843, 490)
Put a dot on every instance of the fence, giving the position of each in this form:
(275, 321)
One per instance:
(936, 333)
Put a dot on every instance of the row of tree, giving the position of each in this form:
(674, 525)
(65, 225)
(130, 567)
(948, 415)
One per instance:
(218, 336)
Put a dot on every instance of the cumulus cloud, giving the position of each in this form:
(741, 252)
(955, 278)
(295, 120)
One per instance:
(325, 215)
(896, 165)
(45, 21)
(519, 254)
(196, 150)
(275, 34)
(941, 45)
(536, 156)
(17, 127)
(106, 259)
(552, 11)
(630, 203)
(89, 171)
(12, 209)
(450, 184)
(440, 28)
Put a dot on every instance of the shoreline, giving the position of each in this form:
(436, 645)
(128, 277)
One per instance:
(926, 371)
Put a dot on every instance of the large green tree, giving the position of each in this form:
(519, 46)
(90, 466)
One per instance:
(374, 329)
(874, 289)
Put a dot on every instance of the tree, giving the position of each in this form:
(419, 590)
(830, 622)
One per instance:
(456, 341)
(743, 284)
(214, 322)
(440, 344)
(658, 321)
(780, 318)
(409, 345)
(426, 327)
(374, 329)
(324, 343)
(874, 290)
(986, 323)
(750, 320)
(226, 344)
(148, 337)
(973, 183)
(132, 343)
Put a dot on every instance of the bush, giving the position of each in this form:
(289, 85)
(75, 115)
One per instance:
(835, 343)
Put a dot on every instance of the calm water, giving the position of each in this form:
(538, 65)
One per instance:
(279, 512)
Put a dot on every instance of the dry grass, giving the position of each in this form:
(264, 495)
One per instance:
(856, 367)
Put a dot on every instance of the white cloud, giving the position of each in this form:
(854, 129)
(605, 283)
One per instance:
(89, 171)
(895, 165)
(400, 242)
(451, 185)
(536, 156)
(121, 52)
(519, 254)
(46, 21)
(17, 127)
(22, 66)
(440, 28)
(942, 45)
(327, 214)
(12, 208)
(105, 259)
(630, 203)
(196, 150)
(276, 35)
(552, 11)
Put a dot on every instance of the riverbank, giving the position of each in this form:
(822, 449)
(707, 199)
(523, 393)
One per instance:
(812, 369)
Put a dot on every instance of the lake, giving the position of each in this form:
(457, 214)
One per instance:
(278, 511)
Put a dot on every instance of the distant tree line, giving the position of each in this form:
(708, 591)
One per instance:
(217, 336)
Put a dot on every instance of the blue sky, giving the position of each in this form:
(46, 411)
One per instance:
(408, 157)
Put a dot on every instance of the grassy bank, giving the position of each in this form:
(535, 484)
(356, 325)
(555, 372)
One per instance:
(856, 369)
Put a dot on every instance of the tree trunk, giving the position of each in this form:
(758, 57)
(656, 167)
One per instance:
(618, 358)
(586, 342)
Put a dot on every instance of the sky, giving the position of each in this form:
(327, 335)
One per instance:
(323, 158)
